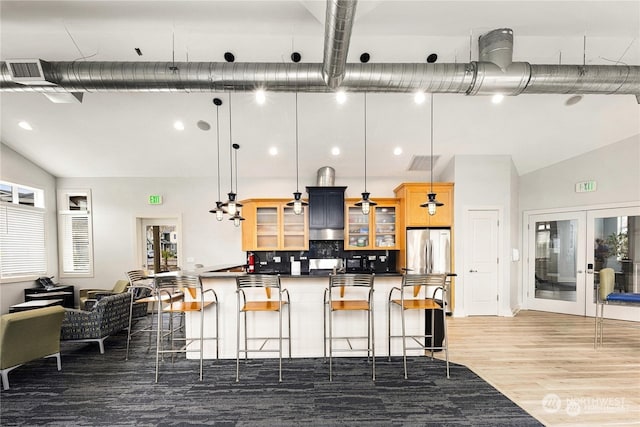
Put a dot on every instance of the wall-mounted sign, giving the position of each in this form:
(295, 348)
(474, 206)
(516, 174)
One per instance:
(155, 199)
(586, 186)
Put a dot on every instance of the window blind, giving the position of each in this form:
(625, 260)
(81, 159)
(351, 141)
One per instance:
(22, 241)
(76, 243)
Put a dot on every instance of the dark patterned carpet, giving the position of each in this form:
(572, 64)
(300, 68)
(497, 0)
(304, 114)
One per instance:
(94, 389)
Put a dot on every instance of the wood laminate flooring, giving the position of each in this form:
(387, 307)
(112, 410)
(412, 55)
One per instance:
(547, 364)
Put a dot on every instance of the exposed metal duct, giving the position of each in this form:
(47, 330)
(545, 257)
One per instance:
(337, 36)
(476, 78)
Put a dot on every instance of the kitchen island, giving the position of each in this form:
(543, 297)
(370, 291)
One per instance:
(307, 293)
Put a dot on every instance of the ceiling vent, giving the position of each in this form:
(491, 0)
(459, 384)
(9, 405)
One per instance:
(421, 163)
(28, 71)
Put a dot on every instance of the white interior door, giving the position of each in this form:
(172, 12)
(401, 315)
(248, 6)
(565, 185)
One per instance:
(556, 267)
(481, 263)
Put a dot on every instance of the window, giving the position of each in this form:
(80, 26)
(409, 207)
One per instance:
(75, 234)
(22, 231)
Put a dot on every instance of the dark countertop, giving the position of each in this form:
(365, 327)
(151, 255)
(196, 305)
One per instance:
(226, 275)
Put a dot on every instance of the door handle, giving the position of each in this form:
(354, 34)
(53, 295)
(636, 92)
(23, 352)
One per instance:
(473, 271)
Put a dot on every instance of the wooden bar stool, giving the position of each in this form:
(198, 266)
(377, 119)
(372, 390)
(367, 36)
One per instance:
(413, 293)
(360, 298)
(269, 283)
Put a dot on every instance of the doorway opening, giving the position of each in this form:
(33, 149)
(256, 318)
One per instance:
(159, 244)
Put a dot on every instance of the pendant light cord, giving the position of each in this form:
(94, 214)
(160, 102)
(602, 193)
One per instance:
(218, 146)
(230, 146)
(297, 187)
(365, 142)
(431, 157)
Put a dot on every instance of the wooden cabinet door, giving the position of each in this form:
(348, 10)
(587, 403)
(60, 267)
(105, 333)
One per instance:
(384, 226)
(271, 225)
(415, 194)
(294, 229)
(444, 214)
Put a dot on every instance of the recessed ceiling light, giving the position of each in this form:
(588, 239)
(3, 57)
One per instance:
(273, 151)
(335, 151)
(497, 98)
(178, 125)
(341, 97)
(419, 97)
(260, 96)
(25, 125)
(397, 151)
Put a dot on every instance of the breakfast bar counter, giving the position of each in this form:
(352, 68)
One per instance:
(307, 296)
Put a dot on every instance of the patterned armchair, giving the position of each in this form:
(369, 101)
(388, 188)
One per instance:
(89, 297)
(108, 316)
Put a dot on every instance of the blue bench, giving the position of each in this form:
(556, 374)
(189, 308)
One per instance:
(605, 296)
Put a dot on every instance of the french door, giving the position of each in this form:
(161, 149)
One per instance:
(615, 236)
(566, 252)
(556, 267)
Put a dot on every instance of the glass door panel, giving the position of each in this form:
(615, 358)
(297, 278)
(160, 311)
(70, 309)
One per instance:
(615, 238)
(358, 228)
(267, 227)
(293, 229)
(556, 262)
(385, 228)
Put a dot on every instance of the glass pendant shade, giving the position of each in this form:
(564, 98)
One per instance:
(236, 218)
(218, 211)
(432, 203)
(297, 203)
(365, 203)
(231, 204)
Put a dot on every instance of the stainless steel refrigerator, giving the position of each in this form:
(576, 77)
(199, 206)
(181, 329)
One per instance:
(429, 251)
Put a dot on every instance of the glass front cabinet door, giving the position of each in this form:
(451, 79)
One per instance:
(271, 225)
(377, 230)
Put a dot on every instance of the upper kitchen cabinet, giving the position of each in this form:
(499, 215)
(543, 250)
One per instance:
(378, 230)
(326, 213)
(413, 194)
(271, 225)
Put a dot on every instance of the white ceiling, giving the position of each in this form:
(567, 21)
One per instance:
(131, 134)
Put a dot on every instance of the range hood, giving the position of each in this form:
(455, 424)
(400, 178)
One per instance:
(326, 207)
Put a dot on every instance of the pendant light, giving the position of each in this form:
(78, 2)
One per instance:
(432, 203)
(297, 202)
(236, 218)
(231, 204)
(365, 203)
(218, 209)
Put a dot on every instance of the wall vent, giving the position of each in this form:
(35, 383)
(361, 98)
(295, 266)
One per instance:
(422, 163)
(27, 71)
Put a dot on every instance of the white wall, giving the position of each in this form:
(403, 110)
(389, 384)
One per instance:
(15, 168)
(616, 168)
(484, 182)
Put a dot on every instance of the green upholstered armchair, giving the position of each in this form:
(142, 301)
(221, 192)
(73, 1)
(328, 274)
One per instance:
(108, 316)
(29, 335)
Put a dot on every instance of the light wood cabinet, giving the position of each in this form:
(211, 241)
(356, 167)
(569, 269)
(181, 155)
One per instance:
(378, 230)
(413, 194)
(271, 225)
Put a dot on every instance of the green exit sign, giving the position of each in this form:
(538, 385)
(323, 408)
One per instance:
(586, 186)
(155, 199)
